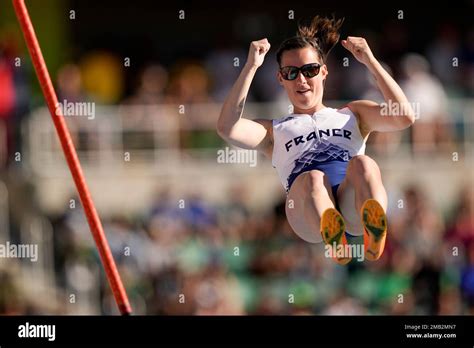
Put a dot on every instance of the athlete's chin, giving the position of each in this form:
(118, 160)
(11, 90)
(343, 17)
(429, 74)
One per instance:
(305, 104)
(303, 100)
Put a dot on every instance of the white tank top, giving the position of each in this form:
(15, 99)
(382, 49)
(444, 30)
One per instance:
(329, 134)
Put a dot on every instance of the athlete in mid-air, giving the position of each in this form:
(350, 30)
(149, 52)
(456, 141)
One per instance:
(332, 187)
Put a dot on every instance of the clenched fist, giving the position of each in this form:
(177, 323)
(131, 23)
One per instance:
(258, 50)
(359, 49)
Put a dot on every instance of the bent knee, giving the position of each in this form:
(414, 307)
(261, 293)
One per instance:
(362, 167)
(362, 164)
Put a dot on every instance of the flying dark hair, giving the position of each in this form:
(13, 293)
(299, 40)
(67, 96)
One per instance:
(322, 34)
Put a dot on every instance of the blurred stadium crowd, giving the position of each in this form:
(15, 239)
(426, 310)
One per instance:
(208, 259)
(213, 259)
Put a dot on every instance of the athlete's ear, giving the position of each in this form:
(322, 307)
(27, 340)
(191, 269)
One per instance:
(324, 72)
(279, 78)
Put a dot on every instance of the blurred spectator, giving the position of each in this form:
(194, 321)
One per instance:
(441, 52)
(426, 286)
(467, 68)
(344, 305)
(419, 231)
(467, 281)
(103, 76)
(7, 105)
(418, 226)
(394, 45)
(461, 229)
(433, 128)
(450, 302)
(14, 95)
(69, 84)
(188, 91)
(11, 301)
(145, 109)
(189, 84)
(151, 85)
(70, 89)
(218, 294)
(266, 86)
(224, 65)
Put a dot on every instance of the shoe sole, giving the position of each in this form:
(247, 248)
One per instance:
(374, 221)
(333, 229)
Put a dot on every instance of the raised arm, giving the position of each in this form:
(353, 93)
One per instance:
(396, 113)
(241, 132)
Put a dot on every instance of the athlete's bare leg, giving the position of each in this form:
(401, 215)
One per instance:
(363, 182)
(309, 196)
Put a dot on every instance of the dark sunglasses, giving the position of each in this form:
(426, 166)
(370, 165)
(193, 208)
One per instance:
(308, 70)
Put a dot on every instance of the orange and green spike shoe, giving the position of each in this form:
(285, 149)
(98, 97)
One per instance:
(374, 221)
(333, 231)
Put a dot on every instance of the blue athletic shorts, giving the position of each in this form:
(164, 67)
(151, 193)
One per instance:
(334, 170)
